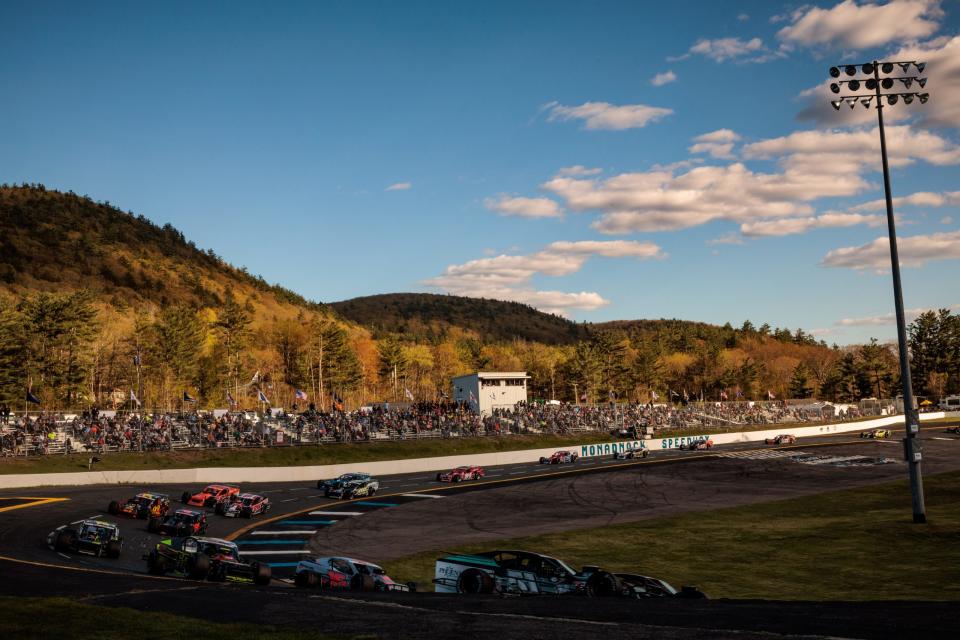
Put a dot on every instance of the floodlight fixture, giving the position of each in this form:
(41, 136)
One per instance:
(875, 84)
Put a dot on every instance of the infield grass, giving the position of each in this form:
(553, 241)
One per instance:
(31, 618)
(853, 544)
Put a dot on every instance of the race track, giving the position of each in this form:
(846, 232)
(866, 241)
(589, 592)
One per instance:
(513, 500)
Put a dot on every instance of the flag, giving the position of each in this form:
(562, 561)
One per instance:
(187, 398)
(256, 377)
(473, 398)
(723, 395)
(230, 399)
(262, 397)
(299, 395)
(32, 398)
(133, 398)
(654, 395)
(770, 395)
(136, 360)
(407, 393)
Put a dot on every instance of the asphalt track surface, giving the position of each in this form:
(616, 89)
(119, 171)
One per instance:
(512, 500)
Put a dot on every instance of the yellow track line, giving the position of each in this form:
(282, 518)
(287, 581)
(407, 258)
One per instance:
(36, 503)
(50, 565)
(239, 532)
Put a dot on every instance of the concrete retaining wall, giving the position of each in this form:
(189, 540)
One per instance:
(390, 467)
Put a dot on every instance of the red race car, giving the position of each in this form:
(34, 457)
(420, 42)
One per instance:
(461, 473)
(246, 505)
(183, 522)
(560, 457)
(143, 505)
(697, 445)
(211, 496)
(783, 438)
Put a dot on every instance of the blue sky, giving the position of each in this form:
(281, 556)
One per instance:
(602, 160)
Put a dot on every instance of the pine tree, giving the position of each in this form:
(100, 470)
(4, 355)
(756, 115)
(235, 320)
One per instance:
(800, 382)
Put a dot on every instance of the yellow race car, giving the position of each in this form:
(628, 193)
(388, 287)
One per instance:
(877, 434)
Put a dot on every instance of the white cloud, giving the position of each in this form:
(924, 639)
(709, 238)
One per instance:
(603, 115)
(918, 199)
(524, 207)
(663, 78)
(887, 318)
(729, 238)
(790, 226)
(859, 26)
(723, 49)
(399, 186)
(822, 332)
(914, 251)
(946, 220)
(743, 17)
(942, 56)
(720, 135)
(507, 277)
(578, 170)
(718, 144)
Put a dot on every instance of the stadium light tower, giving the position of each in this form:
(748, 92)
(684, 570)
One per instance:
(873, 83)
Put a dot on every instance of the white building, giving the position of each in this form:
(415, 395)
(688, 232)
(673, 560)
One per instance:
(484, 391)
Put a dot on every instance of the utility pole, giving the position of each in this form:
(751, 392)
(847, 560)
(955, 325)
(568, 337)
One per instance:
(874, 83)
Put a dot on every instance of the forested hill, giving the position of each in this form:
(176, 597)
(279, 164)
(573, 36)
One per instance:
(430, 317)
(60, 242)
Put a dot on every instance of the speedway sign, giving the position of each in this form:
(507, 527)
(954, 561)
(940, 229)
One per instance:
(609, 448)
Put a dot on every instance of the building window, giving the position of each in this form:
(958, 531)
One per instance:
(489, 383)
(515, 382)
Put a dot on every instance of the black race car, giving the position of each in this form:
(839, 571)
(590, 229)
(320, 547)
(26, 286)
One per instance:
(90, 537)
(630, 454)
(182, 522)
(203, 558)
(362, 488)
(336, 483)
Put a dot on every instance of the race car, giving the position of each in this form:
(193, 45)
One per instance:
(337, 482)
(954, 430)
(202, 558)
(92, 537)
(460, 473)
(783, 438)
(210, 496)
(528, 573)
(697, 445)
(246, 505)
(360, 488)
(630, 454)
(876, 434)
(143, 505)
(345, 573)
(560, 457)
(182, 522)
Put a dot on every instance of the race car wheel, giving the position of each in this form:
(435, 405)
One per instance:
(66, 539)
(306, 580)
(456, 478)
(438, 478)
(261, 573)
(326, 494)
(412, 586)
(156, 565)
(362, 583)
(185, 497)
(210, 502)
(113, 508)
(113, 548)
(153, 525)
(543, 460)
(603, 584)
(220, 509)
(373, 492)
(474, 581)
(319, 484)
(198, 567)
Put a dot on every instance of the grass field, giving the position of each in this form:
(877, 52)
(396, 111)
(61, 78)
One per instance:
(31, 618)
(855, 544)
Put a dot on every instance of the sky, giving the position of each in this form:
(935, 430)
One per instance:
(599, 160)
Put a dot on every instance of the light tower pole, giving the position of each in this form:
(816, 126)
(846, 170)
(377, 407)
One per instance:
(874, 83)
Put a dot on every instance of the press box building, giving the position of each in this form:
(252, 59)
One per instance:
(486, 391)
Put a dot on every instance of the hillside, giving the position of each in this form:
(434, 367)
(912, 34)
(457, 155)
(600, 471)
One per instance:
(429, 317)
(61, 242)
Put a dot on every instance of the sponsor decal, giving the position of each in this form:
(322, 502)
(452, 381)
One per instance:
(609, 448)
(674, 443)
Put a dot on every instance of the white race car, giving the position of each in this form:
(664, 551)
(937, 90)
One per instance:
(346, 574)
(246, 505)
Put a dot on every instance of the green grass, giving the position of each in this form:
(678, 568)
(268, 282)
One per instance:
(293, 456)
(64, 618)
(854, 544)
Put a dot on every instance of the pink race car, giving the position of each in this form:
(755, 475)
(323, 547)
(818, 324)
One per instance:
(461, 473)
(697, 445)
(560, 457)
(783, 438)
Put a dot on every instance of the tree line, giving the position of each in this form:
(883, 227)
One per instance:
(69, 351)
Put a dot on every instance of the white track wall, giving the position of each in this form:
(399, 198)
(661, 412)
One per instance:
(416, 465)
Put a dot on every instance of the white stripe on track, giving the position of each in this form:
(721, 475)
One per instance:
(419, 495)
(336, 513)
(282, 552)
(299, 532)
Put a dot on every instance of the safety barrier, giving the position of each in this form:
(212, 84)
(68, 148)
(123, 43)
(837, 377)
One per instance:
(415, 465)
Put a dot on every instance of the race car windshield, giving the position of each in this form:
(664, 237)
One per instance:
(210, 491)
(247, 502)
